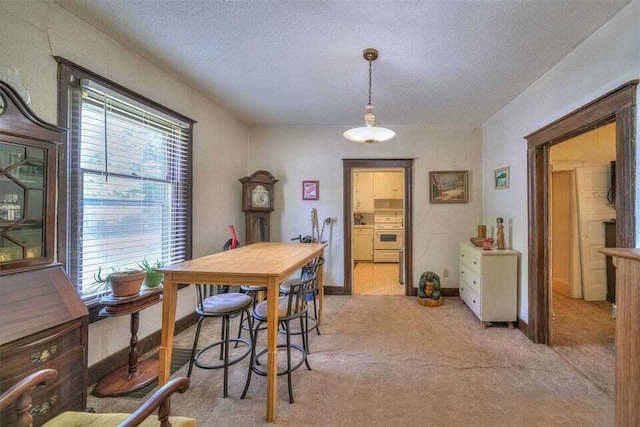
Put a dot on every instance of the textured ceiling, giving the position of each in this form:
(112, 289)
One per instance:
(300, 62)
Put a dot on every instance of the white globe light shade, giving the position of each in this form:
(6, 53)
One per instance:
(369, 134)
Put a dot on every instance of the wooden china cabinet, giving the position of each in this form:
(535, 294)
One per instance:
(43, 322)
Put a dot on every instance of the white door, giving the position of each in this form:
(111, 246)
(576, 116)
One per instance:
(592, 185)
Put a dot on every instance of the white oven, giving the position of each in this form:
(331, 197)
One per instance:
(388, 238)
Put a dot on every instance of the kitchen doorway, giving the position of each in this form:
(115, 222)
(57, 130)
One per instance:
(378, 255)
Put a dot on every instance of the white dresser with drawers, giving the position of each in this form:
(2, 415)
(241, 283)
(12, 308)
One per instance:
(489, 283)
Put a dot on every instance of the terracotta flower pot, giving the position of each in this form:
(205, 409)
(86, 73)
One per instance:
(126, 284)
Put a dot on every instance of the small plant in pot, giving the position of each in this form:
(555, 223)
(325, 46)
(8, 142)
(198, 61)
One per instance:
(123, 283)
(153, 277)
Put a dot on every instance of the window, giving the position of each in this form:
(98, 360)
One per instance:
(128, 181)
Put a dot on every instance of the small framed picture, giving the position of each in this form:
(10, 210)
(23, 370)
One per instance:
(501, 178)
(448, 187)
(310, 190)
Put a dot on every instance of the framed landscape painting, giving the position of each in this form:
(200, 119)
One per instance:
(448, 187)
(501, 178)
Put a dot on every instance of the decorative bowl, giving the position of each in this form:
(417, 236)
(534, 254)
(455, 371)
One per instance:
(477, 241)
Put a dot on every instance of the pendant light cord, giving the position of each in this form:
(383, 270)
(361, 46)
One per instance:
(369, 82)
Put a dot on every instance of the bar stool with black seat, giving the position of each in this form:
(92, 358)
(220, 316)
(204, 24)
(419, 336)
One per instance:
(290, 307)
(309, 270)
(224, 306)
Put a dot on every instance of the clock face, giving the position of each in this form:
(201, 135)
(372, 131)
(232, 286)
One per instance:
(260, 197)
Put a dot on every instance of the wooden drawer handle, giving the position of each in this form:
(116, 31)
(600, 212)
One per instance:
(44, 407)
(462, 255)
(474, 262)
(44, 355)
(461, 271)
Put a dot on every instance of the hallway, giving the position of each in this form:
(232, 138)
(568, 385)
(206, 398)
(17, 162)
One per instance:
(583, 335)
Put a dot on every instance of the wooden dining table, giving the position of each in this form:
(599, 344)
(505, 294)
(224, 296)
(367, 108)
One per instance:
(265, 264)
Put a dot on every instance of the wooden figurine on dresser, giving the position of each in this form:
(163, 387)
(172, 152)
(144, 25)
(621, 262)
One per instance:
(500, 237)
(43, 321)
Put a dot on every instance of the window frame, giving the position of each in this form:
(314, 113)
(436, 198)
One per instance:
(69, 75)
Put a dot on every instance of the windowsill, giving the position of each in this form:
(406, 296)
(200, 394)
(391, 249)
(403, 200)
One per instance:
(94, 308)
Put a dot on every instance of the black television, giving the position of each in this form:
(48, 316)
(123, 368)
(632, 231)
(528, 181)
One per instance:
(611, 195)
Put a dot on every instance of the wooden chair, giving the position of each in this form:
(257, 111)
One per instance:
(18, 397)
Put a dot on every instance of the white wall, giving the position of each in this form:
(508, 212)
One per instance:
(32, 32)
(593, 148)
(604, 61)
(294, 154)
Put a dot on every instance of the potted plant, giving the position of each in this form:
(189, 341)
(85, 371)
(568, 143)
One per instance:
(153, 277)
(123, 283)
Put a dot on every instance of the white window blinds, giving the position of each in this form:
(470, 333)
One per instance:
(129, 186)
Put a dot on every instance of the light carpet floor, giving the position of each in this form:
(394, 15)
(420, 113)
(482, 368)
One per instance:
(584, 335)
(386, 361)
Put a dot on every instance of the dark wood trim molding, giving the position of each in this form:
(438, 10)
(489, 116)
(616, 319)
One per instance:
(616, 106)
(121, 358)
(448, 292)
(123, 90)
(333, 290)
(347, 167)
(69, 75)
(524, 328)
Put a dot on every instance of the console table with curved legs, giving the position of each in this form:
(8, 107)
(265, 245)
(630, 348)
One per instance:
(136, 374)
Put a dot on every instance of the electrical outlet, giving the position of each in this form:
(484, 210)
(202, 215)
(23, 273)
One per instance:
(445, 272)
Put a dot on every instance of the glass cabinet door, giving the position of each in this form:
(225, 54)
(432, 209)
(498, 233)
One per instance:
(23, 192)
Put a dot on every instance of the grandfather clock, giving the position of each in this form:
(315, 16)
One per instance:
(257, 205)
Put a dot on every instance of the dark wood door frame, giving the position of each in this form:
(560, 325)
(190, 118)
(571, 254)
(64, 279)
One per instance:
(347, 167)
(617, 106)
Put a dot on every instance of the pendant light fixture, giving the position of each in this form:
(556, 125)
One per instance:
(369, 134)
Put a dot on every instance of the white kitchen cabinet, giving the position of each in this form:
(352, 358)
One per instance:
(363, 244)
(489, 283)
(363, 194)
(388, 185)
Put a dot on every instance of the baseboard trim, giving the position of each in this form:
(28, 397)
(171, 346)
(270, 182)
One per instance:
(446, 292)
(450, 292)
(121, 358)
(524, 327)
(333, 290)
